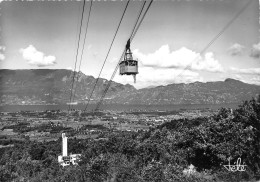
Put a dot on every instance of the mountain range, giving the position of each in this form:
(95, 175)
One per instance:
(53, 86)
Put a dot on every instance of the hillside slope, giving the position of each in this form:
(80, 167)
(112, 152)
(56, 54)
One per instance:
(49, 86)
(228, 91)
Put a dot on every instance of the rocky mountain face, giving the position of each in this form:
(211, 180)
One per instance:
(48, 86)
(228, 91)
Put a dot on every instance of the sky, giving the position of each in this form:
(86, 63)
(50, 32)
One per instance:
(173, 35)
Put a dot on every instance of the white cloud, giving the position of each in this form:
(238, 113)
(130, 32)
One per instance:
(247, 71)
(250, 79)
(164, 67)
(236, 49)
(72, 69)
(69, 68)
(114, 60)
(95, 54)
(35, 57)
(89, 46)
(2, 57)
(238, 77)
(255, 80)
(209, 63)
(255, 52)
(159, 76)
(163, 58)
(2, 48)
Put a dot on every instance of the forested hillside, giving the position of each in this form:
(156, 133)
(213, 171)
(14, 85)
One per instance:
(160, 154)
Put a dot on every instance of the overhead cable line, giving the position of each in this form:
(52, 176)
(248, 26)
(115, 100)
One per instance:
(139, 24)
(188, 66)
(74, 72)
(216, 37)
(106, 56)
(132, 35)
(114, 73)
(67, 88)
(82, 51)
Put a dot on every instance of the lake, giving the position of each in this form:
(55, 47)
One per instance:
(115, 107)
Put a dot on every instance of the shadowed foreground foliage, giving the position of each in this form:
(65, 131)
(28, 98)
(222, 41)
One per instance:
(160, 154)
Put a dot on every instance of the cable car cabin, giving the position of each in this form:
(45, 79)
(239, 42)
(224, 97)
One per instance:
(128, 66)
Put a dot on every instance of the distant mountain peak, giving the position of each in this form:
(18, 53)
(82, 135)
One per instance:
(151, 86)
(232, 80)
(41, 86)
(45, 86)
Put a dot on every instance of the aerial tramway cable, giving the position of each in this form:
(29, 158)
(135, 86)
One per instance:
(134, 31)
(131, 38)
(216, 37)
(106, 56)
(114, 73)
(82, 51)
(188, 66)
(67, 88)
(74, 71)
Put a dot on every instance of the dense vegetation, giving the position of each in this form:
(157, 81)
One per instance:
(160, 154)
(48, 127)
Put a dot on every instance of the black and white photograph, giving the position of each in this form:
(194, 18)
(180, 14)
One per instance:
(129, 90)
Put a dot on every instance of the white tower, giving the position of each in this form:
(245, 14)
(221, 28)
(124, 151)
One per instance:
(64, 159)
(64, 145)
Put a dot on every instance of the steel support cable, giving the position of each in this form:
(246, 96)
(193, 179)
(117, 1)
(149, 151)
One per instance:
(82, 51)
(114, 73)
(137, 19)
(216, 37)
(67, 89)
(75, 65)
(132, 32)
(109, 83)
(188, 66)
(106, 56)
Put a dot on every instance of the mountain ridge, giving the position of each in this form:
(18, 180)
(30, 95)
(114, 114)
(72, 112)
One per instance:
(53, 86)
